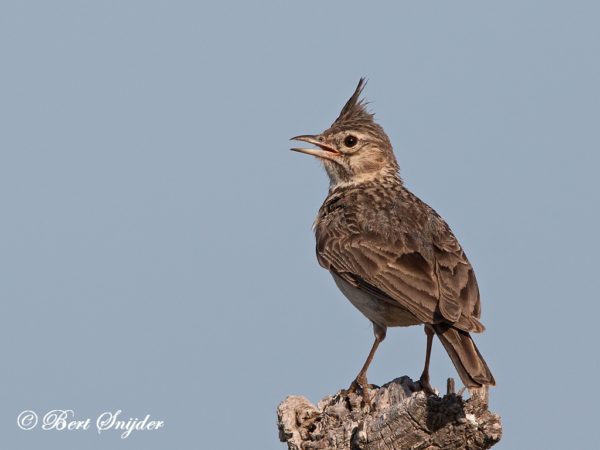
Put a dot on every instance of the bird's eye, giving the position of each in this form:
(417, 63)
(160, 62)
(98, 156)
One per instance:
(350, 141)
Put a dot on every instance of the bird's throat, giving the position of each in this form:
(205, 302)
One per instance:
(383, 176)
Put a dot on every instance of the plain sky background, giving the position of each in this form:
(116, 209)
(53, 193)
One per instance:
(156, 249)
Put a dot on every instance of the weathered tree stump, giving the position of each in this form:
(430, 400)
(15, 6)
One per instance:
(400, 417)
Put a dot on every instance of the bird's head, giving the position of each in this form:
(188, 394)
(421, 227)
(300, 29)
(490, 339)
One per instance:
(354, 148)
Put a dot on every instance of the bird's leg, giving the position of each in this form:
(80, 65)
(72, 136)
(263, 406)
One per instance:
(424, 380)
(361, 379)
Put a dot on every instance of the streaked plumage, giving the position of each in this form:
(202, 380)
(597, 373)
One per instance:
(391, 254)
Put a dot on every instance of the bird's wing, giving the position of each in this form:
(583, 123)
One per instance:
(459, 293)
(431, 278)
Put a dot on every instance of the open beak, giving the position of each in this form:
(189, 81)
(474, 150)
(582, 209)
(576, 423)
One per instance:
(324, 151)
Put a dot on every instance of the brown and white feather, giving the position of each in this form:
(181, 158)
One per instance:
(380, 238)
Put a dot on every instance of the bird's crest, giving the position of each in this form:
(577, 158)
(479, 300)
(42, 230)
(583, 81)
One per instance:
(355, 108)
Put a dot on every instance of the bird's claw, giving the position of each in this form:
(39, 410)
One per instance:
(355, 387)
(360, 388)
(426, 386)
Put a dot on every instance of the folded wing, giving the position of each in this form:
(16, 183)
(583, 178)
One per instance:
(427, 273)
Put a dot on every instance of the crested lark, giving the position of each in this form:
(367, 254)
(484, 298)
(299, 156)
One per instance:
(390, 254)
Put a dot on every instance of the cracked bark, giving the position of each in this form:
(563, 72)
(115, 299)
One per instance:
(401, 416)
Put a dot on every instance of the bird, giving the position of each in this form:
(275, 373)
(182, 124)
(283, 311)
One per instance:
(392, 255)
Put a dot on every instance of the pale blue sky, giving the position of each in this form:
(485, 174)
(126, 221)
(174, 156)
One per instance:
(156, 243)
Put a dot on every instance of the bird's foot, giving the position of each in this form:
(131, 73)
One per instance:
(359, 387)
(426, 386)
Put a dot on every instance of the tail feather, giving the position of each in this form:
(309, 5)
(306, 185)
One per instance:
(469, 363)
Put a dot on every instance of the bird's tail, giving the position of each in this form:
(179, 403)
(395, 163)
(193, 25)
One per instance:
(469, 363)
